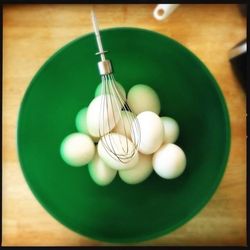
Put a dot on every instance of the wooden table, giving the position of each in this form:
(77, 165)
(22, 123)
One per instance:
(32, 33)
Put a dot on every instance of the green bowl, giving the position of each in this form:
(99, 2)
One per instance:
(120, 212)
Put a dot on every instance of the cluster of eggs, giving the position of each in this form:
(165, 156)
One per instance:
(157, 151)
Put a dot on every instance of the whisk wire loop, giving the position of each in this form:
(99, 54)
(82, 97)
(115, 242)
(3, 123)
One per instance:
(115, 109)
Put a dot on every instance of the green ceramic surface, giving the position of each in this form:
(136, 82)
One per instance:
(120, 212)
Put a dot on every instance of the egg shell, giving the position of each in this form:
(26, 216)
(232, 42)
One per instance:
(140, 172)
(151, 132)
(118, 86)
(169, 161)
(100, 172)
(121, 145)
(102, 115)
(171, 129)
(124, 125)
(143, 98)
(77, 149)
(81, 123)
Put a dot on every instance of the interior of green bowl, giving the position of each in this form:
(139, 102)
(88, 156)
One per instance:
(120, 212)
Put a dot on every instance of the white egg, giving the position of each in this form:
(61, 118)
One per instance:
(143, 98)
(140, 172)
(100, 172)
(77, 149)
(151, 132)
(102, 115)
(169, 161)
(81, 123)
(123, 127)
(119, 88)
(122, 146)
(171, 129)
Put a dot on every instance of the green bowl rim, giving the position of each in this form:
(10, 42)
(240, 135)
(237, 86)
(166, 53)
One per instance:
(202, 204)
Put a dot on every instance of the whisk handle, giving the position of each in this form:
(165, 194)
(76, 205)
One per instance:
(97, 35)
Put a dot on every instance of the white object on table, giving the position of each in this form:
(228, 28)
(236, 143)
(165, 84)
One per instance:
(162, 11)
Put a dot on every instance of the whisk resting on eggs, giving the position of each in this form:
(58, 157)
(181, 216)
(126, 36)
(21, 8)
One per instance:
(113, 109)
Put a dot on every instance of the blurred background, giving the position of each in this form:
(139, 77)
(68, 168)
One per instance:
(216, 33)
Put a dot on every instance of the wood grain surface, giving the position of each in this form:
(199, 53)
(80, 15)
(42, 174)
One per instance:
(32, 33)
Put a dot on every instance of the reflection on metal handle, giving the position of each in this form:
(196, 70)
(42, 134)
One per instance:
(166, 10)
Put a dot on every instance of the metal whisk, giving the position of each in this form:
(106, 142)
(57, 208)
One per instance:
(113, 104)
